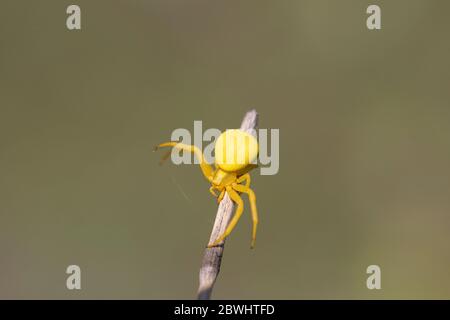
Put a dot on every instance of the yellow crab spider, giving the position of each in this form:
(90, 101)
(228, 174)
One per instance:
(236, 152)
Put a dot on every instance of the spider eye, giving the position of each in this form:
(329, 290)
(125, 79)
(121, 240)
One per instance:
(235, 149)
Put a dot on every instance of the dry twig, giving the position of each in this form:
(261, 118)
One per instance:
(212, 257)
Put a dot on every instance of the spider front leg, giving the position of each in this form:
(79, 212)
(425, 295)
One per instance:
(240, 207)
(252, 199)
(204, 166)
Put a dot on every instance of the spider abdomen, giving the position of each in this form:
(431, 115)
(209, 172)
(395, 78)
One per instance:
(235, 149)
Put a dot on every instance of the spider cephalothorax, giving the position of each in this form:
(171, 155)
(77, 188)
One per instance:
(236, 152)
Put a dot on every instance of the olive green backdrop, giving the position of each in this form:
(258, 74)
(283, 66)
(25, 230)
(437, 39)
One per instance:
(364, 121)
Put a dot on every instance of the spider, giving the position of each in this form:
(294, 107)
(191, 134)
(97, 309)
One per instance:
(235, 152)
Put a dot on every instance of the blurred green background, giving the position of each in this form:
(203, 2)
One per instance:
(364, 121)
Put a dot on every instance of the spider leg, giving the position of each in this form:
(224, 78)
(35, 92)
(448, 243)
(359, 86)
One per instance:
(246, 178)
(240, 207)
(204, 166)
(213, 192)
(218, 196)
(221, 195)
(252, 199)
